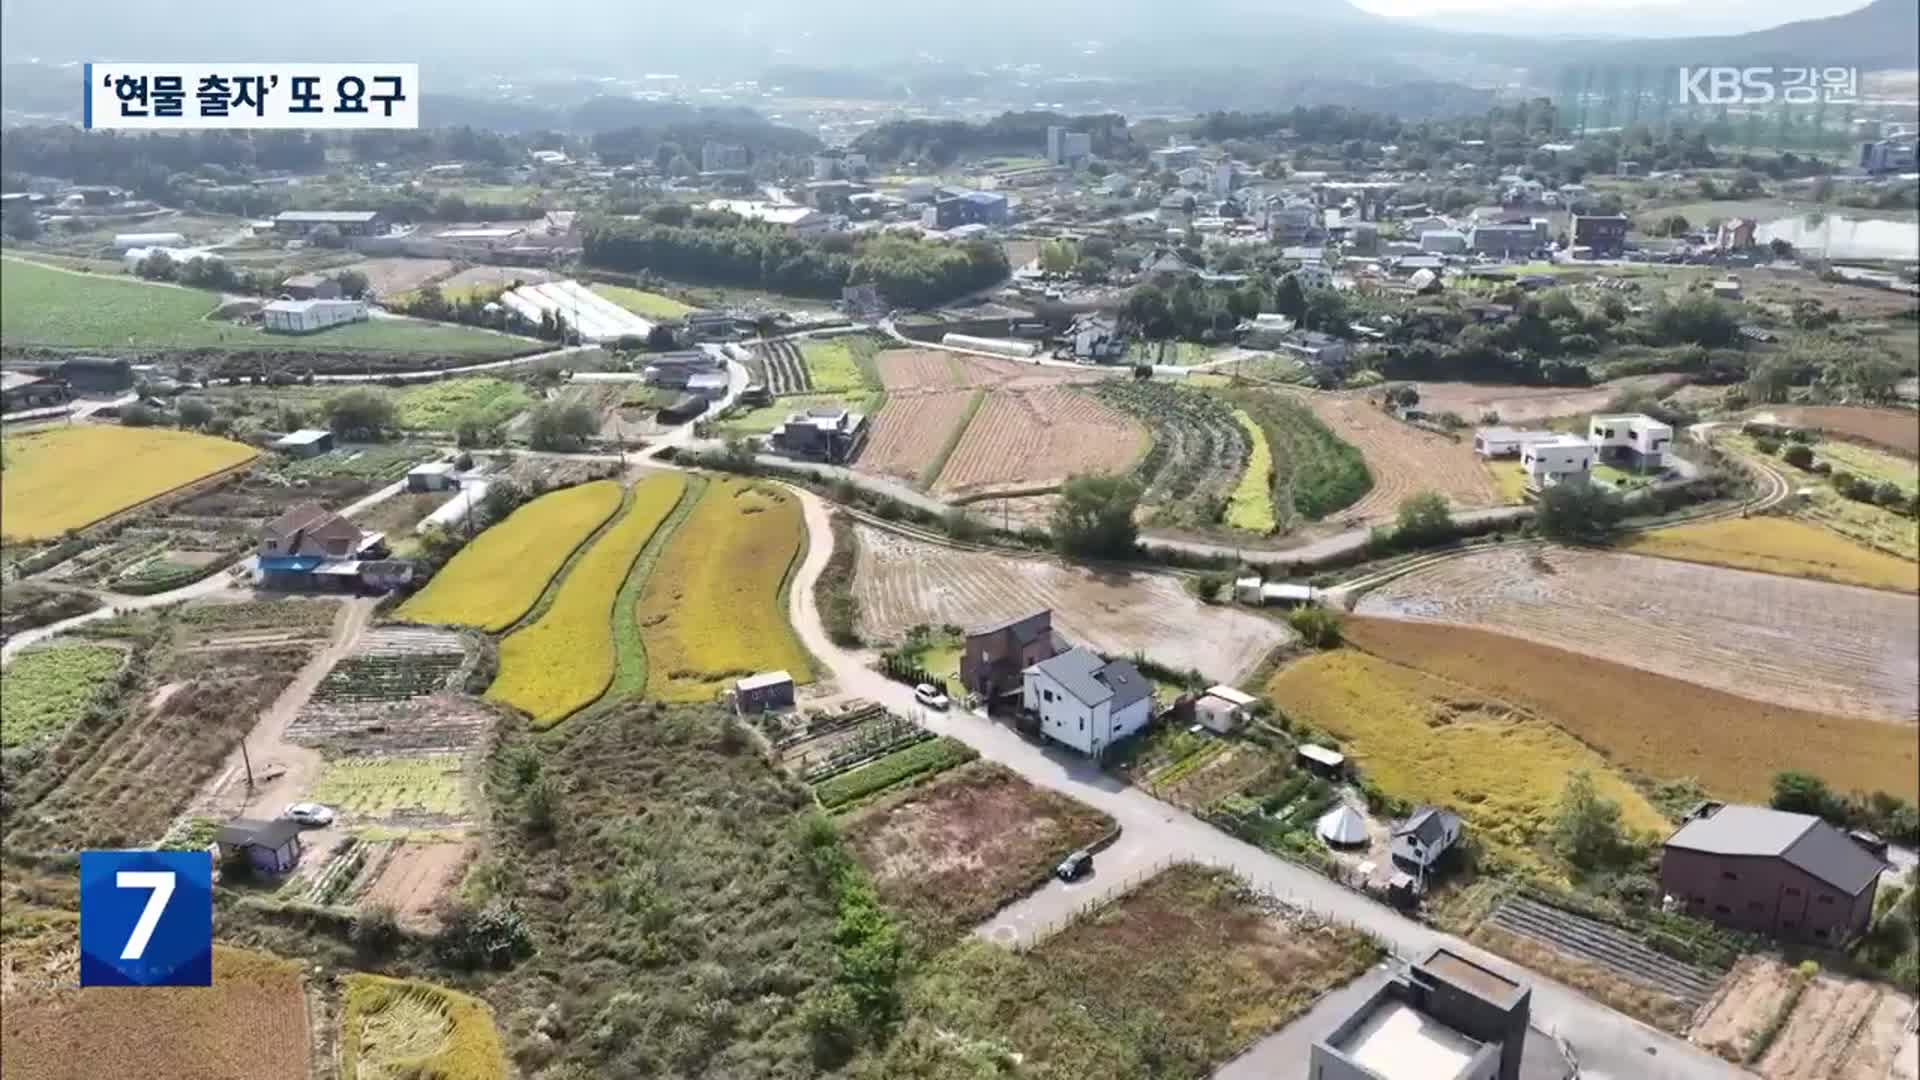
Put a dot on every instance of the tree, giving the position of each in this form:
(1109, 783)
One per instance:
(1095, 517)
(361, 415)
(1317, 626)
(1798, 455)
(327, 236)
(1577, 512)
(555, 426)
(139, 416)
(353, 284)
(1290, 299)
(1057, 257)
(503, 497)
(194, 413)
(158, 266)
(660, 338)
(1803, 793)
(19, 224)
(1586, 827)
(1423, 519)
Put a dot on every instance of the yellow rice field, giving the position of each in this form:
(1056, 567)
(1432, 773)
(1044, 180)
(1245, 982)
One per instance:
(495, 580)
(1777, 545)
(564, 660)
(403, 1028)
(1251, 506)
(711, 611)
(71, 477)
(1426, 741)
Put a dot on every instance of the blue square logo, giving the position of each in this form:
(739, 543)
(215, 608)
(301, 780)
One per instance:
(146, 918)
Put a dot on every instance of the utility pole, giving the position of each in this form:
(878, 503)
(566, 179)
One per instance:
(245, 757)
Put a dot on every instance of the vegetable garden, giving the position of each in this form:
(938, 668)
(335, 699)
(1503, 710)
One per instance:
(43, 691)
(1200, 450)
(786, 372)
(393, 664)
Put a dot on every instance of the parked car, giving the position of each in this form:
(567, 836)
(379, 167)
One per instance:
(1075, 866)
(308, 813)
(929, 695)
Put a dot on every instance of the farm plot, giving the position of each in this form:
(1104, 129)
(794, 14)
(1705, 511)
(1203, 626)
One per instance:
(951, 853)
(495, 580)
(937, 369)
(1732, 745)
(391, 277)
(1607, 946)
(1423, 740)
(1403, 459)
(1830, 648)
(1516, 405)
(45, 690)
(833, 365)
(71, 477)
(1038, 438)
(1841, 1028)
(902, 583)
(911, 764)
(82, 1034)
(393, 664)
(712, 610)
(403, 1027)
(1200, 450)
(786, 372)
(409, 878)
(912, 431)
(423, 791)
(1170, 980)
(26, 606)
(813, 746)
(564, 660)
(439, 406)
(1778, 545)
(647, 305)
(1895, 429)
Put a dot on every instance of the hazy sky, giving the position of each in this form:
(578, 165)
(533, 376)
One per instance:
(1753, 14)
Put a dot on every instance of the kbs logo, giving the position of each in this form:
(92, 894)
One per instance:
(1763, 85)
(146, 918)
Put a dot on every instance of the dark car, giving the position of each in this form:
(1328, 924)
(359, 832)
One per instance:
(1075, 866)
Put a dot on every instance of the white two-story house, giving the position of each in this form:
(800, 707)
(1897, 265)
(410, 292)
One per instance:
(1426, 835)
(1086, 702)
(1563, 459)
(1631, 439)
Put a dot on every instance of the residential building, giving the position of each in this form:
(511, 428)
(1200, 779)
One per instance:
(1070, 148)
(305, 443)
(1313, 274)
(1414, 226)
(1443, 241)
(723, 157)
(767, 690)
(1425, 836)
(1498, 442)
(673, 370)
(1085, 702)
(1292, 223)
(310, 287)
(311, 530)
(1562, 459)
(1322, 352)
(1096, 338)
(271, 847)
(1758, 869)
(707, 325)
(1504, 239)
(1173, 157)
(799, 220)
(952, 209)
(1444, 1018)
(1736, 234)
(995, 655)
(346, 222)
(822, 433)
(433, 476)
(1604, 235)
(838, 164)
(1886, 156)
(1632, 439)
(308, 316)
(711, 385)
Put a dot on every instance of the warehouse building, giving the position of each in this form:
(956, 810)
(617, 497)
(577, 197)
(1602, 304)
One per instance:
(308, 316)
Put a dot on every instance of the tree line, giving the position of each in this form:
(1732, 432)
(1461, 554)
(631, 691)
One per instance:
(942, 142)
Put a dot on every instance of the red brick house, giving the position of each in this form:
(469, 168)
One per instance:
(1792, 876)
(995, 655)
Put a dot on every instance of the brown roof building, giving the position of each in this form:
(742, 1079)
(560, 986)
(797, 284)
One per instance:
(312, 530)
(1790, 875)
(995, 655)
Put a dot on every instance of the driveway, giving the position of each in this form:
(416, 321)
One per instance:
(1611, 1046)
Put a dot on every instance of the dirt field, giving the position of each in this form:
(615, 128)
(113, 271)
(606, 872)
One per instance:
(1528, 404)
(1895, 429)
(900, 583)
(950, 854)
(911, 431)
(388, 277)
(495, 276)
(1841, 1028)
(936, 369)
(414, 877)
(1404, 460)
(1813, 645)
(1035, 438)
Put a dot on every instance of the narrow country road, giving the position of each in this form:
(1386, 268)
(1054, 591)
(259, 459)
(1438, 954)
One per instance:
(1611, 1046)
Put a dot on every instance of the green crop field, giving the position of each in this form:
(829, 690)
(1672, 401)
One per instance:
(1314, 470)
(832, 367)
(647, 305)
(45, 690)
(388, 787)
(439, 406)
(43, 306)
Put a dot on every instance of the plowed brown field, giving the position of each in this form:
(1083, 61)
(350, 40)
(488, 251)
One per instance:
(1812, 645)
(935, 369)
(901, 583)
(1033, 438)
(1895, 429)
(911, 430)
(1525, 404)
(1404, 460)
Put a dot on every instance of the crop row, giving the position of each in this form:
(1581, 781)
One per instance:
(1315, 472)
(869, 740)
(1199, 448)
(936, 755)
(786, 372)
(386, 678)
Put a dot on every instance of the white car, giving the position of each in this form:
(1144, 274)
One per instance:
(930, 696)
(308, 813)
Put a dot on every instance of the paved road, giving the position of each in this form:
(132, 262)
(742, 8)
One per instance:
(1611, 1046)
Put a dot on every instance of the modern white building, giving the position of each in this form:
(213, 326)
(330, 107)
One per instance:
(1493, 442)
(1086, 702)
(1632, 439)
(1560, 460)
(307, 316)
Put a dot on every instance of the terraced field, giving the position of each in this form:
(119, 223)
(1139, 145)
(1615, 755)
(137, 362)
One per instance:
(1895, 429)
(1831, 648)
(1199, 454)
(786, 373)
(1780, 545)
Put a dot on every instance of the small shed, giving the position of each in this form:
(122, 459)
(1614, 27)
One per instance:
(711, 385)
(305, 443)
(1216, 715)
(1342, 827)
(433, 476)
(1321, 760)
(272, 847)
(767, 690)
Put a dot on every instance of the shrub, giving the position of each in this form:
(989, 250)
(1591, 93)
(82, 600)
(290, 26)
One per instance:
(1767, 445)
(470, 938)
(1208, 586)
(1798, 455)
(1317, 626)
(1889, 495)
(376, 931)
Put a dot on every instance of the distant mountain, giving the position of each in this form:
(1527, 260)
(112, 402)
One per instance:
(1883, 35)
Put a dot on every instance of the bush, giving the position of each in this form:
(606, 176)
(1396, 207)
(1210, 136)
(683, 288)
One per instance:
(376, 931)
(1889, 495)
(494, 936)
(1581, 514)
(1317, 626)
(1767, 445)
(1208, 587)
(1798, 455)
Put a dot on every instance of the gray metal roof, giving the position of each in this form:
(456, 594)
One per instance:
(1026, 628)
(245, 832)
(1428, 824)
(1092, 680)
(1802, 840)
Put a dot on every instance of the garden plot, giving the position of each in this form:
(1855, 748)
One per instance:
(1832, 648)
(1038, 438)
(948, 855)
(786, 373)
(1840, 1028)
(410, 877)
(391, 277)
(413, 792)
(1200, 451)
(902, 583)
(815, 745)
(1403, 459)
(394, 664)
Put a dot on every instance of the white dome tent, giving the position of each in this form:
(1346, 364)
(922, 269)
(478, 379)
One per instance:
(1342, 827)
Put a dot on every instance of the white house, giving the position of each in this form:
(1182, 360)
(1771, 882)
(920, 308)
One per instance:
(1632, 438)
(1086, 702)
(1420, 840)
(306, 316)
(1495, 442)
(1559, 460)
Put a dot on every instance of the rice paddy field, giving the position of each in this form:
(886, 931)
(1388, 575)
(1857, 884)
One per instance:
(647, 305)
(1251, 505)
(1427, 741)
(564, 660)
(40, 305)
(395, 1028)
(712, 608)
(495, 580)
(1873, 526)
(45, 690)
(71, 477)
(1779, 545)
(1675, 729)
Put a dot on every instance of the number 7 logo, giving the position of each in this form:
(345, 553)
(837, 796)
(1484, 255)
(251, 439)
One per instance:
(146, 918)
